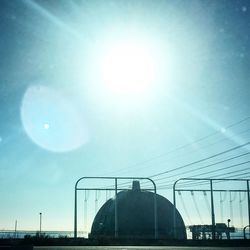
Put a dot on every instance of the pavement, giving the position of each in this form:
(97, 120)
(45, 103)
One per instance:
(137, 248)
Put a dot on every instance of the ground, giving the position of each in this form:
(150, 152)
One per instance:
(137, 248)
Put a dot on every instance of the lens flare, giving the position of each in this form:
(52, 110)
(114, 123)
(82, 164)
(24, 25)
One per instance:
(51, 120)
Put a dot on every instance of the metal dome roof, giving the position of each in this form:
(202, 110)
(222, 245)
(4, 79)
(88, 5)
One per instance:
(135, 216)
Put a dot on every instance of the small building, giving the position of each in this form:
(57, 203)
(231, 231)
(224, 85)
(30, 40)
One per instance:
(135, 217)
(203, 232)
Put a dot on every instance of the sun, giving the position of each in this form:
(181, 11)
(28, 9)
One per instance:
(128, 68)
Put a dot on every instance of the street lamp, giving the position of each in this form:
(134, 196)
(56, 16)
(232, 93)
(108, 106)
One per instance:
(40, 214)
(16, 229)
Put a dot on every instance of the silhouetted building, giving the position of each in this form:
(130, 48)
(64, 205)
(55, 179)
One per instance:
(135, 216)
(203, 232)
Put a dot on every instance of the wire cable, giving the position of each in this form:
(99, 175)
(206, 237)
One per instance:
(222, 200)
(231, 200)
(240, 207)
(207, 202)
(217, 170)
(86, 197)
(203, 167)
(205, 182)
(196, 207)
(183, 146)
(201, 160)
(185, 208)
(179, 148)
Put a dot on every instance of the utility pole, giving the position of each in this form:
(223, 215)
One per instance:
(248, 201)
(212, 210)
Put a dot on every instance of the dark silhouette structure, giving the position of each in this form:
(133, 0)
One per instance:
(204, 231)
(135, 216)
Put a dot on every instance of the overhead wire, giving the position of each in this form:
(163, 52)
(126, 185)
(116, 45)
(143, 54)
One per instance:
(217, 170)
(240, 207)
(202, 183)
(192, 151)
(185, 145)
(196, 162)
(185, 208)
(203, 147)
(196, 207)
(221, 169)
(97, 197)
(222, 200)
(201, 160)
(231, 200)
(205, 182)
(212, 164)
(85, 208)
(207, 202)
(203, 167)
(164, 161)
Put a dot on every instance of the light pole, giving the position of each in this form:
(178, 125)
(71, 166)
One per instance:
(40, 214)
(16, 229)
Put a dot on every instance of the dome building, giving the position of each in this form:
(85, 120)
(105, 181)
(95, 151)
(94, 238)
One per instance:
(135, 217)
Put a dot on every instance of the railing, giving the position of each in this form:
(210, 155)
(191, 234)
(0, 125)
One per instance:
(20, 234)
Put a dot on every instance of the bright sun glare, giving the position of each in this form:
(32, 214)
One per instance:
(128, 68)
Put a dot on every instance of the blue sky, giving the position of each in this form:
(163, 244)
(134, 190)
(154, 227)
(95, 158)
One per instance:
(61, 120)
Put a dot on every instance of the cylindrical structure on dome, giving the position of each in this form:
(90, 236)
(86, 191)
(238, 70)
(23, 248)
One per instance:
(135, 217)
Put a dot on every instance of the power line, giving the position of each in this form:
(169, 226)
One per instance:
(167, 177)
(187, 183)
(188, 153)
(201, 160)
(185, 209)
(205, 182)
(196, 207)
(203, 147)
(217, 170)
(203, 167)
(183, 146)
(198, 140)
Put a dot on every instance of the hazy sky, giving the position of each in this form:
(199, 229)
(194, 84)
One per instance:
(70, 106)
